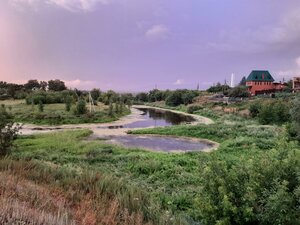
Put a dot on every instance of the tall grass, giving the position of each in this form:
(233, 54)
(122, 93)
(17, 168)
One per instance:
(93, 198)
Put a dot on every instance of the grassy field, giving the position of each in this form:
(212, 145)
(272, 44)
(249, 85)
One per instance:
(54, 114)
(167, 183)
(251, 177)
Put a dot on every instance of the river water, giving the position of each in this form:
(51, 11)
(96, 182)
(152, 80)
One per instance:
(115, 133)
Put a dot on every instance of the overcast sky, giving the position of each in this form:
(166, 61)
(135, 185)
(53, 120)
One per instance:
(133, 45)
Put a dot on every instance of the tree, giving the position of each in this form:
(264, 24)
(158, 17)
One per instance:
(8, 131)
(56, 85)
(95, 93)
(68, 102)
(239, 92)
(243, 81)
(32, 84)
(295, 116)
(141, 97)
(43, 85)
(188, 96)
(81, 107)
(155, 95)
(219, 88)
(174, 98)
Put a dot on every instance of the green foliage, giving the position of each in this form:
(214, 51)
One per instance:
(56, 85)
(295, 118)
(41, 106)
(243, 81)
(254, 109)
(271, 111)
(174, 99)
(111, 109)
(32, 84)
(261, 190)
(219, 88)
(8, 131)
(239, 92)
(48, 97)
(68, 102)
(81, 107)
(274, 113)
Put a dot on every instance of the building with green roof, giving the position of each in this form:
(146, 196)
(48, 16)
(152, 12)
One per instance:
(262, 82)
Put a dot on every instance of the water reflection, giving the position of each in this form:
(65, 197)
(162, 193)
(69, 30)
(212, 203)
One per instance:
(155, 118)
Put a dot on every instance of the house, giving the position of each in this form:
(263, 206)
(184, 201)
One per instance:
(262, 82)
(296, 84)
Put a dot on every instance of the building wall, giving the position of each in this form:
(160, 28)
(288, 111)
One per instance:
(257, 86)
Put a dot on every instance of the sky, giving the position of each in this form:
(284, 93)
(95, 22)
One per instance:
(137, 45)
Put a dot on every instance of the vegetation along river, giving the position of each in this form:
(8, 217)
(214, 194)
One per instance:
(141, 117)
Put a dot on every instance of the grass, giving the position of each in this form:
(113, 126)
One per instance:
(170, 180)
(107, 184)
(54, 114)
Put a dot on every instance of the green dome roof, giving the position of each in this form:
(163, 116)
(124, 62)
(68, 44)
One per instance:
(260, 75)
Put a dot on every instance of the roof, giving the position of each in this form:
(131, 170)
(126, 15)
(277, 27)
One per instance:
(260, 75)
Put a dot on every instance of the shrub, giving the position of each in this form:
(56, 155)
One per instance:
(254, 109)
(8, 131)
(41, 106)
(68, 103)
(81, 107)
(174, 99)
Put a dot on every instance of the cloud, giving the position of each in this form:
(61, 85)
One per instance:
(82, 84)
(272, 37)
(78, 5)
(288, 74)
(157, 32)
(70, 5)
(178, 82)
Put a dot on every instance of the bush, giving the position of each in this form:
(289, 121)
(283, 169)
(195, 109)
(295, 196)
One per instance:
(174, 99)
(260, 191)
(68, 103)
(41, 106)
(81, 107)
(8, 131)
(239, 92)
(254, 109)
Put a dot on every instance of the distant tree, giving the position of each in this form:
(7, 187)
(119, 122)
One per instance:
(219, 88)
(155, 95)
(141, 97)
(8, 131)
(188, 96)
(43, 85)
(126, 98)
(243, 81)
(32, 84)
(174, 98)
(95, 93)
(56, 85)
